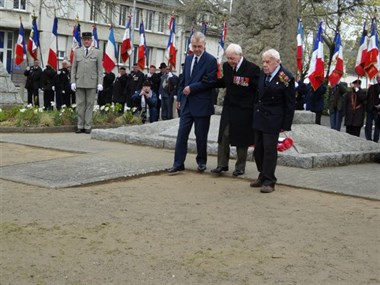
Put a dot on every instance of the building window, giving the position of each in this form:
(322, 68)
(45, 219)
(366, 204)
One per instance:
(149, 20)
(161, 22)
(1, 3)
(6, 49)
(61, 54)
(138, 18)
(109, 13)
(93, 10)
(124, 13)
(18, 4)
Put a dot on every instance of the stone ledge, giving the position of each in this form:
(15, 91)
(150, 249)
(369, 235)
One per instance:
(55, 129)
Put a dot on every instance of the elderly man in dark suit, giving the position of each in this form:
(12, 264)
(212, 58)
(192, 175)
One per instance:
(195, 102)
(273, 113)
(240, 78)
(86, 79)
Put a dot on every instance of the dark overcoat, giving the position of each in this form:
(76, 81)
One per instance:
(355, 108)
(241, 89)
(274, 107)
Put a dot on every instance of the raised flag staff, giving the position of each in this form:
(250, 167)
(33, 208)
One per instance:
(316, 73)
(20, 49)
(337, 63)
(52, 56)
(220, 51)
(110, 54)
(372, 65)
(362, 53)
(76, 39)
(171, 51)
(126, 46)
(141, 54)
(189, 49)
(95, 38)
(299, 56)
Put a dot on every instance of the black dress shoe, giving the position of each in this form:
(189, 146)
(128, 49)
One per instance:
(202, 167)
(257, 183)
(238, 172)
(175, 169)
(219, 169)
(79, 131)
(87, 131)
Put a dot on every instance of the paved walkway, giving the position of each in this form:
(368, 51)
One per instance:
(94, 161)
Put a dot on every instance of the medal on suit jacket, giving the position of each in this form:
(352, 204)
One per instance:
(241, 81)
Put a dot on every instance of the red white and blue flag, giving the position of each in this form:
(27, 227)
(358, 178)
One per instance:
(362, 53)
(110, 55)
(141, 54)
(189, 47)
(316, 73)
(95, 38)
(299, 55)
(337, 63)
(52, 57)
(76, 40)
(20, 49)
(222, 41)
(171, 49)
(126, 47)
(34, 39)
(372, 62)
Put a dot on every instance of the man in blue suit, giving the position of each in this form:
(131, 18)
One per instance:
(195, 103)
(273, 113)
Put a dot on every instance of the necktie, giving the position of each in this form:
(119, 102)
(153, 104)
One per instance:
(267, 80)
(195, 63)
(86, 51)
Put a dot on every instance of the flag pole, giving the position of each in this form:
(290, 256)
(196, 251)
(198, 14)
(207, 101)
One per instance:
(133, 32)
(56, 42)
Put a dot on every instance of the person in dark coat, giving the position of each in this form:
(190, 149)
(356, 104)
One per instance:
(105, 96)
(118, 92)
(373, 99)
(135, 81)
(63, 90)
(33, 82)
(336, 101)
(48, 85)
(273, 113)
(355, 109)
(315, 101)
(240, 78)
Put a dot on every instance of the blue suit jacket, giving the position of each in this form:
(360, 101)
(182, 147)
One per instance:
(200, 101)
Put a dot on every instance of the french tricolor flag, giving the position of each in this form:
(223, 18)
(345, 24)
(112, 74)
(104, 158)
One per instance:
(299, 46)
(52, 57)
(372, 63)
(337, 64)
(362, 53)
(142, 47)
(126, 47)
(76, 41)
(34, 39)
(316, 73)
(20, 50)
(110, 55)
(171, 50)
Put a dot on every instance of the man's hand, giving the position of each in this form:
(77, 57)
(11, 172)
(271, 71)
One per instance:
(100, 87)
(178, 105)
(74, 87)
(186, 90)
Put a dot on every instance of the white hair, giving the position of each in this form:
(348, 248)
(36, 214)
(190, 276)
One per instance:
(234, 48)
(272, 53)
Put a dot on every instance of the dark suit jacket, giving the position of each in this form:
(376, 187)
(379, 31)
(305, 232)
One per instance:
(274, 107)
(199, 102)
(241, 89)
